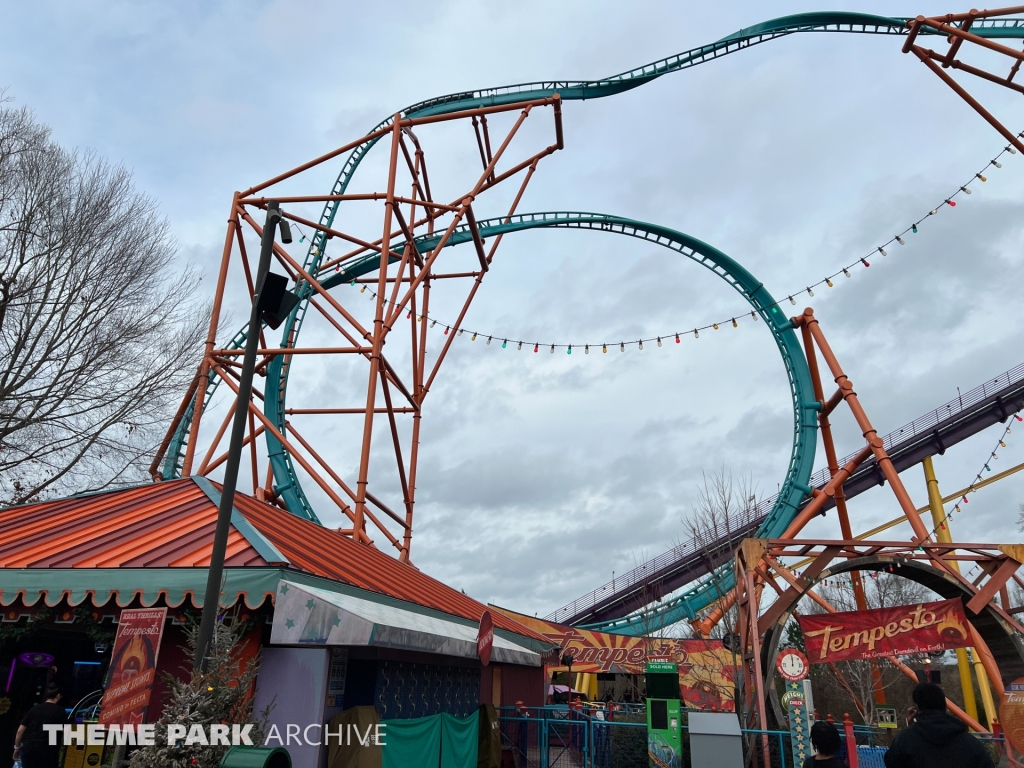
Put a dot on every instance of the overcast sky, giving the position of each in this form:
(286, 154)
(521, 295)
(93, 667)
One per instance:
(542, 474)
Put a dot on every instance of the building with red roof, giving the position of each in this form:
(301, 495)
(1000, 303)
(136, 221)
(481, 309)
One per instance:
(68, 566)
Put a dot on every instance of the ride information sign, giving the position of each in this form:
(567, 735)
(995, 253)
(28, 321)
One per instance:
(903, 630)
(799, 725)
(133, 665)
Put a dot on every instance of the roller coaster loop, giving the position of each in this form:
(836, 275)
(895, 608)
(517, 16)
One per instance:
(316, 275)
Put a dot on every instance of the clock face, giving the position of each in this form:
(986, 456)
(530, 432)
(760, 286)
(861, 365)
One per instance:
(793, 665)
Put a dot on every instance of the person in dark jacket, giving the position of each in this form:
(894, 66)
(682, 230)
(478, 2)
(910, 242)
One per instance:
(936, 739)
(32, 742)
(827, 745)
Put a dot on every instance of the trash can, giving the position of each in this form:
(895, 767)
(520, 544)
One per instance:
(256, 757)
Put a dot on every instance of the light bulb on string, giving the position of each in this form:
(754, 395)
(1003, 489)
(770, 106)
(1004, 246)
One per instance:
(433, 323)
(473, 337)
(622, 347)
(951, 204)
(1018, 418)
(520, 346)
(604, 349)
(965, 190)
(677, 338)
(734, 323)
(1002, 444)
(753, 316)
(932, 213)
(536, 347)
(569, 350)
(792, 300)
(488, 341)
(460, 331)
(586, 349)
(900, 240)
(353, 283)
(446, 330)
(696, 333)
(881, 250)
(659, 341)
(641, 344)
(552, 349)
(408, 314)
(865, 262)
(1011, 150)
(846, 272)
(997, 164)
(828, 282)
(913, 228)
(504, 343)
(981, 177)
(715, 326)
(809, 291)
(363, 289)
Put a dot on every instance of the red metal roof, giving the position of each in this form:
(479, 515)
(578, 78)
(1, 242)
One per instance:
(171, 524)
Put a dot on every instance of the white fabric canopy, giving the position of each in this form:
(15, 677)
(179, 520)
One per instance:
(305, 615)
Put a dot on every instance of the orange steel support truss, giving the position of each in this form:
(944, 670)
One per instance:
(957, 27)
(758, 564)
(402, 285)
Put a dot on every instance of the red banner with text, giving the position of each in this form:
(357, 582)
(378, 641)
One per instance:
(904, 630)
(707, 670)
(133, 665)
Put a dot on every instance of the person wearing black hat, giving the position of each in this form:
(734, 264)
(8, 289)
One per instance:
(827, 745)
(936, 739)
(32, 742)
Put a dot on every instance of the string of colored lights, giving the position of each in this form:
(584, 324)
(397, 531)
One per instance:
(862, 262)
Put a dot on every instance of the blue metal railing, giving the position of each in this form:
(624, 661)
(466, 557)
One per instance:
(558, 737)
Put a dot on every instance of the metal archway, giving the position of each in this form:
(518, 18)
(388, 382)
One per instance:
(1003, 641)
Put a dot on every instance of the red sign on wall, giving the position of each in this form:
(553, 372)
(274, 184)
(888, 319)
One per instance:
(133, 665)
(485, 638)
(906, 629)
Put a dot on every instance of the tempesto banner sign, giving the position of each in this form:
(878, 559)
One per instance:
(904, 630)
(133, 665)
(707, 671)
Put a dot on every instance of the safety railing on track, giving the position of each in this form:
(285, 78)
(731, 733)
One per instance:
(746, 518)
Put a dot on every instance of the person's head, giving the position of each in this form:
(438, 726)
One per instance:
(825, 738)
(52, 693)
(929, 698)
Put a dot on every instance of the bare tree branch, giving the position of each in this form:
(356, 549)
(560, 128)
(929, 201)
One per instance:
(99, 330)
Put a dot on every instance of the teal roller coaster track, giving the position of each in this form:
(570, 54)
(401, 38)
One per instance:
(795, 487)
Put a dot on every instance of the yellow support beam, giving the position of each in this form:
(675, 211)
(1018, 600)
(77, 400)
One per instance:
(942, 533)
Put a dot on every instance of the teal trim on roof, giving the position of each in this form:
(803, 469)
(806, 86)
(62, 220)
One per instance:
(257, 540)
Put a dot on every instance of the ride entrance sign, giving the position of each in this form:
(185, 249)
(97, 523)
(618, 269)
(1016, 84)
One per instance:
(903, 630)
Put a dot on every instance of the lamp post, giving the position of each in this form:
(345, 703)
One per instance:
(267, 291)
